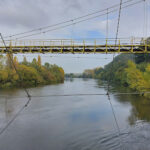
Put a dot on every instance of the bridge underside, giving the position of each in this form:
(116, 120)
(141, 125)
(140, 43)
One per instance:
(78, 49)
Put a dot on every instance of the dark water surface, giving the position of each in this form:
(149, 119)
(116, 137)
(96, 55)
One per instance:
(74, 122)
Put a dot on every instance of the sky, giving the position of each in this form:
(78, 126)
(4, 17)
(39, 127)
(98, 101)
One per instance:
(23, 15)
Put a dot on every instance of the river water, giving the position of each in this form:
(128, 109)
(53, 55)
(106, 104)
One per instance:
(74, 122)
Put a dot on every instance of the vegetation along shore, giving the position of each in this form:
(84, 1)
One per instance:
(32, 73)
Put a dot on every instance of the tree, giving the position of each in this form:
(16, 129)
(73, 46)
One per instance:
(2, 62)
(24, 59)
(47, 65)
(39, 61)
(29, 75)
(32, 74)
(15, 61)
(135, 78)
(34, 61)
(8, 60)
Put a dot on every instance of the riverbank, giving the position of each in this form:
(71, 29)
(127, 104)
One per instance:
(29, 74)
(126, 70)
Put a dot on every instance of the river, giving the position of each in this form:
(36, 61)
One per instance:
(74, 122)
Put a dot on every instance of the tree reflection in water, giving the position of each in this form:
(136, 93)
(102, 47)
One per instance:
(140, 105)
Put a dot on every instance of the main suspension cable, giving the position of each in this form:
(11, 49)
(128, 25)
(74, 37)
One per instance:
(114, 115)
(77, 22)
(67, 21)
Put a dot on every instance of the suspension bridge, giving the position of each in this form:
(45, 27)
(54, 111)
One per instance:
(107, 45)
(133, 45)
(17, 44)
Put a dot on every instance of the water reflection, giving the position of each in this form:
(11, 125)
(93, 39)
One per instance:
(77, 122)
(6, 111)
(140, 108)
(69, 79)
(140, 105)
(9, 108)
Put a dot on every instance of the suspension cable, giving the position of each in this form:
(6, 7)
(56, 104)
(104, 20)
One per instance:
(72, 30)
(118, 25)
(78, 94)
(114, 115)
(12, 120)
(116, 122)
(11, 59)
(107, 25)
(21, 79)
(146, 19)
(64, 22)
(77, 22)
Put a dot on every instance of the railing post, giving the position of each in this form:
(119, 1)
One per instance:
(95, 47)
(61, 46)
(20, 45)
(106, 46)
(40, 46)
(51, 46)
(83, 46)
(119, 47)
(30, 46)
(72, 47)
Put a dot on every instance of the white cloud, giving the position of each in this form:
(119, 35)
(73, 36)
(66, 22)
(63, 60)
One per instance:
(22, 15)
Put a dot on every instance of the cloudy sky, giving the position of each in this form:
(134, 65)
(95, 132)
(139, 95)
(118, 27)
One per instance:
(22, 15)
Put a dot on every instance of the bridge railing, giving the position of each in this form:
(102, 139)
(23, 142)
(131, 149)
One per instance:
(70, 42)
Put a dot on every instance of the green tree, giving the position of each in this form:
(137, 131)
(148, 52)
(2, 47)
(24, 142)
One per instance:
(8, 61)
(135, 78)
(39, 61)
(32, 74)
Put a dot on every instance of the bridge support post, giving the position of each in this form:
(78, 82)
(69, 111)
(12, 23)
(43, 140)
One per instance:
(51, 47)
(83, 46)
(72, 47)
(30, 47)
(95, 47)
(43, 47)
(20, 44)
(119, 47)
(106, 46)
(62, 46)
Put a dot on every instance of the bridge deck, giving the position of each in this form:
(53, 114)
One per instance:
(78, 49)
(69, 46)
